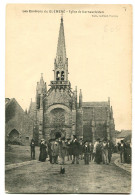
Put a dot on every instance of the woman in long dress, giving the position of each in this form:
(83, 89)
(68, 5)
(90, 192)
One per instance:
(98, 155)
(43, 151)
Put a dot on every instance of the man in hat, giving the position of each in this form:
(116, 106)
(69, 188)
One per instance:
(62, 153)
(62, 150)
(122, 151)
(55, 151)
(75, 150)
(32, 145)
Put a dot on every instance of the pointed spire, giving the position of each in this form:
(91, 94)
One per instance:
(41, 79)
(61, 49)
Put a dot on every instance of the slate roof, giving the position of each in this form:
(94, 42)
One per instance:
(10, 101)
(32, 109)
(94, 104)
(124, 133)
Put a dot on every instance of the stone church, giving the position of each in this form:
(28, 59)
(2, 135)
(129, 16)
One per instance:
(57, 111)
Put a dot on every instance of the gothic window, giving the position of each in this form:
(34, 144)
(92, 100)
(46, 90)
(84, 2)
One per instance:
(62, 75)
(58, 117)
(57, 75)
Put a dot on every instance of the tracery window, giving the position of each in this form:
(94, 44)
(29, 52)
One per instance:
(58, 117)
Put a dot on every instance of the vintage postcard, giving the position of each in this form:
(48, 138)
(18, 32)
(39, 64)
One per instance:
(68, 101)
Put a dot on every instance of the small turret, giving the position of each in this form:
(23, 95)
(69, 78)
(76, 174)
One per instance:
(80, 99)
(109, 101)
(26, 111)
(40, 92)
(76, 97)
(111, 113)
(41, 101)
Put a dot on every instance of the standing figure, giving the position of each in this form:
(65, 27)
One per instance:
(128, 153)
(81, 148)
(49, 150)
(91, 151)
(110, 149)
(32, 145)
(86, 151)
(98, 155)
(75, 150)
(122, 151)
(62, 150)
(94, 150)
(43, 152)
(69, 149)
(105, 152)
(55, 151)
(62, 153)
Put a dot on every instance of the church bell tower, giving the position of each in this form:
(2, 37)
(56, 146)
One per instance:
(60, 62)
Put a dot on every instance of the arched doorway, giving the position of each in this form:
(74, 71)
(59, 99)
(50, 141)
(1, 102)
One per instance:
(14, 137)
(57, 135)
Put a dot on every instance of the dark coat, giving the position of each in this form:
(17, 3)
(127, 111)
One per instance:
(32, 145)
(43, 152)
(98, 156)
(69, 148)
(86, 149)
(75, 147)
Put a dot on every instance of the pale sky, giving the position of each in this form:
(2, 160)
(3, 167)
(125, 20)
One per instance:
(99, 51)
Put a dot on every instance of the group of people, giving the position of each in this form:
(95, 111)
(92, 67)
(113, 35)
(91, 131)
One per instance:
(125, 152)
(75, 150)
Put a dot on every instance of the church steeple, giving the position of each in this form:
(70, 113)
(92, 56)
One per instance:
(61, 61)
(61, 49)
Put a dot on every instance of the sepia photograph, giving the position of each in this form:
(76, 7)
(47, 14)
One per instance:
(68, 98)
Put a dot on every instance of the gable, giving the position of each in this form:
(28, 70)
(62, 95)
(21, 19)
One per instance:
(12, 109)
(59, 97)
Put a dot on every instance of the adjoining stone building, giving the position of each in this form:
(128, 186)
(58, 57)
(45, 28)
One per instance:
(56, 111)
(18, 125)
